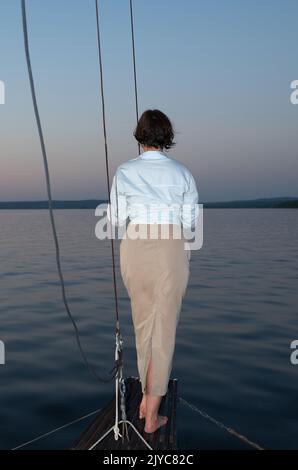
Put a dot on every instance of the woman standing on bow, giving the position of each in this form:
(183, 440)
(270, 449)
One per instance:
(151, 191)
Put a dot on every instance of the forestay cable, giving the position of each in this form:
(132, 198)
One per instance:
(134, 64)
(220, 425)
(106, 158)
(53, 431)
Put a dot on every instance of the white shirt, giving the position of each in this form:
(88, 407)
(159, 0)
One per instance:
(153, 188)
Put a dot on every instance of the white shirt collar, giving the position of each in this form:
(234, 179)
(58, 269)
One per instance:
(152, 154)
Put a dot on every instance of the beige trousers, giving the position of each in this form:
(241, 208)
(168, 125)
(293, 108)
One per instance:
(155, 273)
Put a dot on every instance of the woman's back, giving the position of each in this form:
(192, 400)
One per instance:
(152, 188)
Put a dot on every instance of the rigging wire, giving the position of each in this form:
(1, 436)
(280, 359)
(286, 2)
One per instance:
(53, 431)
(52, 219)
(106, 158)
(220, 425)
(134, 65)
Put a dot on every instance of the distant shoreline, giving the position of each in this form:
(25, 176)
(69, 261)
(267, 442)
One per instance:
(261, 203)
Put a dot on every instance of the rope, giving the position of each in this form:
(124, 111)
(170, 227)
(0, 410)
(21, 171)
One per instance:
(219, 424)
(57, 429)
(118, 351)
(48, 184)
(134, 65)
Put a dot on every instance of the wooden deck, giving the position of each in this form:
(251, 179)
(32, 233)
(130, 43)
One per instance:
(164, 438)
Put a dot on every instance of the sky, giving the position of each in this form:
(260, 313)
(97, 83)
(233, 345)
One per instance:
(220, 69)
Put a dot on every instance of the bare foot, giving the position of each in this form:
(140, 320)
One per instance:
(142, 410)
(153, 425)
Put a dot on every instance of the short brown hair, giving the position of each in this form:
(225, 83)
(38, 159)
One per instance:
(154, 129)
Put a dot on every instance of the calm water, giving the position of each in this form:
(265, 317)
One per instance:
(232, 354)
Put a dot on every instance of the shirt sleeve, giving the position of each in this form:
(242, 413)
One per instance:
(117, 210)
(190, 208)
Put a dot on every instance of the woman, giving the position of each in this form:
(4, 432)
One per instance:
(152, 190)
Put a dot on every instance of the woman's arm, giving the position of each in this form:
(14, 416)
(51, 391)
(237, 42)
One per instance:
(190, 209)
(118, 206)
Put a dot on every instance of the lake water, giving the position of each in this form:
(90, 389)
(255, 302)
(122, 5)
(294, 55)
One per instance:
(232, 355)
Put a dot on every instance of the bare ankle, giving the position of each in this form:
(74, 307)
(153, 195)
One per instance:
(151, 416)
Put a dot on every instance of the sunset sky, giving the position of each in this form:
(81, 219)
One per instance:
(220, 69)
